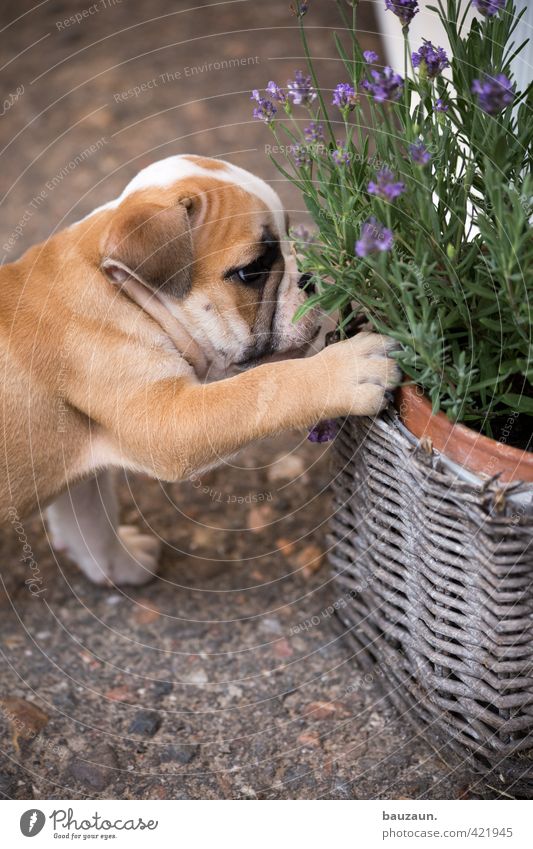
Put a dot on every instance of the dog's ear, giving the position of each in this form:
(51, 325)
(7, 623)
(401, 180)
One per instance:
(152, 243)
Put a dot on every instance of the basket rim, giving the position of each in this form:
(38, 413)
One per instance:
(470, 449)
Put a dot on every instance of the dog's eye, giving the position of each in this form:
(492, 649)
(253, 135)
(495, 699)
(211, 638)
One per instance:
(256, 272)
(252, 274)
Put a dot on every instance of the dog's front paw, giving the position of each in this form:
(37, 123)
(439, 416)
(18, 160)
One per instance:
(135, 558)
(127, 558)
(360, 372)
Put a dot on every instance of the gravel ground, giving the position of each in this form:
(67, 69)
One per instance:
(225, 678)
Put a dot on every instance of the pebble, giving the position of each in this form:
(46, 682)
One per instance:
(197, 676)
(183, 753)
(146, 722)
(286, 467)
(96, 775)
(162, 689)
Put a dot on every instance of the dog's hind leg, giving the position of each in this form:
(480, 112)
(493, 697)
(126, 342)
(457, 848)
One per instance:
(83, 522)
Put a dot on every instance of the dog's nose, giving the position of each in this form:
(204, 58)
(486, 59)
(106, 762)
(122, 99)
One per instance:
(305, 282)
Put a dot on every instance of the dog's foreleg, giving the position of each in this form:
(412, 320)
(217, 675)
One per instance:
(175, 426)
(83, 522)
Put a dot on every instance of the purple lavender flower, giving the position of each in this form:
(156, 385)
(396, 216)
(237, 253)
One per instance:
(324, 431)
(301, 8)
(385, 185)
(314, 132)
(265, 109)
(301, 234)
(301, 90)
(276, 93)
(419, 153)
(430, 60)
(340, 155)
(441, 106)
(373, 238)
(300, 155)
(344, 96)
(370, 56)
(488, 7)
(387, 85)
(494, 93)
(405, 10)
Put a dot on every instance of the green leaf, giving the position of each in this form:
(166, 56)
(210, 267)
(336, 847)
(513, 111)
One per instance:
(521, 403)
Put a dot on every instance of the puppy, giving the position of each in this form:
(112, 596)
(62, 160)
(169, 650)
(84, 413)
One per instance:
(128, 340)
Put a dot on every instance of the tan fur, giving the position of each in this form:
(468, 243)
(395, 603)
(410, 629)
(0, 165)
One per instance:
(95, 376)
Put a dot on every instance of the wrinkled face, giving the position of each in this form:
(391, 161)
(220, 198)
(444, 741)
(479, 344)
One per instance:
(210, 239)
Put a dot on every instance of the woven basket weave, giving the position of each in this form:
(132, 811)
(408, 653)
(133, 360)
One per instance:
(439, 573)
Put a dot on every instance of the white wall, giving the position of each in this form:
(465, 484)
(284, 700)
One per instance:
(427, 25)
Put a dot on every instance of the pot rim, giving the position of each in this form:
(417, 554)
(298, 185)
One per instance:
(478, 453)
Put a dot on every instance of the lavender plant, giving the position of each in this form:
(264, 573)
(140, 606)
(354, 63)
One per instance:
(420, 185)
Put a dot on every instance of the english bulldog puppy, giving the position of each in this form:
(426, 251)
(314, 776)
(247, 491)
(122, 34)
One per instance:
(157, 335)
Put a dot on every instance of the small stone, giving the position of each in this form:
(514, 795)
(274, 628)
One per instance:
(309, 559)
(271, 625)
(162, 689)
(342, 790)
(147, 723)
(285, 546)
(113, 599)
(90, 660)
(326, 710)
(182, 753)
(157, 791)
(309, 738)
(286, 467)
(197, 676)
(118, 694)
(98, 770)
(259, 518)
(282, 649)
(146, 612)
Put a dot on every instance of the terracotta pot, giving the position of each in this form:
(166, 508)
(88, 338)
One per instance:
(479, 454)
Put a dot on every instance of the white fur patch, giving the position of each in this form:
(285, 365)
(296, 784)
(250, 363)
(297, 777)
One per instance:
(167, 171)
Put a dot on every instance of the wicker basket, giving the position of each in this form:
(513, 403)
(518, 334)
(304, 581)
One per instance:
(439, 573)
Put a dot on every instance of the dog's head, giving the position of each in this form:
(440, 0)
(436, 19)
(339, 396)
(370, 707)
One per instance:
(210, 241)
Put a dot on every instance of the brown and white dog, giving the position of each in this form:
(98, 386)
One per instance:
(126, 340)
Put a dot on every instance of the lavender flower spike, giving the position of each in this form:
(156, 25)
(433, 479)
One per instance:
(430, 60)
(494, 93)
(344, 96)
(301, 234)
(265, 109)
(488, 7)
(385, 186)
(301, 8)
(314, 132)
(341, 155)
(276, 93)
(370, 56)
(324, 431)
(300, 155)
(374, 238)
(387, 85)
(419, 153)
(301, 90)
(405, 10)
